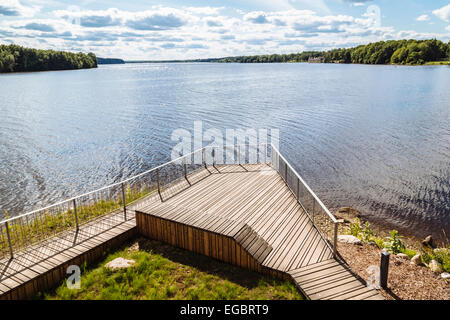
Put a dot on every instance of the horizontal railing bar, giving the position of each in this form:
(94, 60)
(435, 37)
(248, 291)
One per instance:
(306, 185)
(124, 181)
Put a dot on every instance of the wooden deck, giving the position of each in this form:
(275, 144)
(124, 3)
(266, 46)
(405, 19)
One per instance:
(44, 265)
(239, 212)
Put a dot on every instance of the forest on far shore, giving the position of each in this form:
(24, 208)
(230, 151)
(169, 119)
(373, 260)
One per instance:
(14, 58)
(408, 52)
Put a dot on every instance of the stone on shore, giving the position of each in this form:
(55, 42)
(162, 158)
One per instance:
(434, 266)
(441, 250)
(120, 263)
(349, 239)
(445, 275)
(348, 214)
(416, 260)
(428, 242)
(402, 256)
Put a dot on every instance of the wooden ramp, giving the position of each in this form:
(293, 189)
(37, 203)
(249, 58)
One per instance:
(43, 266)
(332, 280)
(246, 215)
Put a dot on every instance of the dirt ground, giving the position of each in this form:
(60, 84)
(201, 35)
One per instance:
(405, 281)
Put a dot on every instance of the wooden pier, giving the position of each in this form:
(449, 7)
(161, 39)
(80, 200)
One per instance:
(245, 215)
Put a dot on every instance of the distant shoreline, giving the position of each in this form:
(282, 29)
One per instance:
(431, 63)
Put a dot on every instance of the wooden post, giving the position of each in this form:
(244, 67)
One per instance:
(384, 269)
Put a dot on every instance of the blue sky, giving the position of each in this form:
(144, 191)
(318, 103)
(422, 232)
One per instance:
(174, 29)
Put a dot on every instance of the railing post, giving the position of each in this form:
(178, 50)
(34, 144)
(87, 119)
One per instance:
(265, 153)
(258, 152)
(213, 154)
(76, 214)
(313, 209)
(184, 168)
(159, 187)
(9, 240)
(298, 189)
(285, 172)
(124, 198)
(204, 158)
(336, 225)
(239, 154)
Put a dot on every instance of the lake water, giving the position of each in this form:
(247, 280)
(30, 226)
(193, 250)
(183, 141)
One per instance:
(373, 137)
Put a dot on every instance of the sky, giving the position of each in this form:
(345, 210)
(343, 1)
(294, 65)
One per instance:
(175, 29)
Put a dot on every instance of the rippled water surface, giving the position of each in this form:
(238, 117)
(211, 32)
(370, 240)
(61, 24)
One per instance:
(373, 137)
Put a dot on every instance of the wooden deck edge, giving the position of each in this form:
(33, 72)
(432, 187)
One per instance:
(205, 242)
(53, 277)
(334, 290)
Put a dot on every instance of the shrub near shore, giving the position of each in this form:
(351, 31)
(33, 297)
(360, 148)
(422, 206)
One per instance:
(395, 245)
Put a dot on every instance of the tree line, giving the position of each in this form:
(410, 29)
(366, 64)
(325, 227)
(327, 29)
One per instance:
(14, 58)
(410, 52)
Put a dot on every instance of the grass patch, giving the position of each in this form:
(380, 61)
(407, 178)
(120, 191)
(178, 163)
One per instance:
(165, 272)
(29, 230)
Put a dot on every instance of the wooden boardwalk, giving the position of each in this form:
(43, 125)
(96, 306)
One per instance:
(44, 265)
(249, 214)
(240, 214)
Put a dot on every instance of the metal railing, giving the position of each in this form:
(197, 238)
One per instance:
(163, 181)
(321, 217)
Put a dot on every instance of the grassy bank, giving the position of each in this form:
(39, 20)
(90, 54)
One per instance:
(165, 272)
(29, 230)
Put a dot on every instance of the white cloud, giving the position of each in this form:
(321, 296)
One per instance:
(256, 17)
(443, 13)
(15, 9)
(186, 33)
(423, 17)
(208, 11)
(160, 20)
(448, 28)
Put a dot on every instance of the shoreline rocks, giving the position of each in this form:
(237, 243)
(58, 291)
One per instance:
(402, 256)
(120, 263)
(428, 242)
(434, 266)
(349, 239)
(416, 260)
(348, 214)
